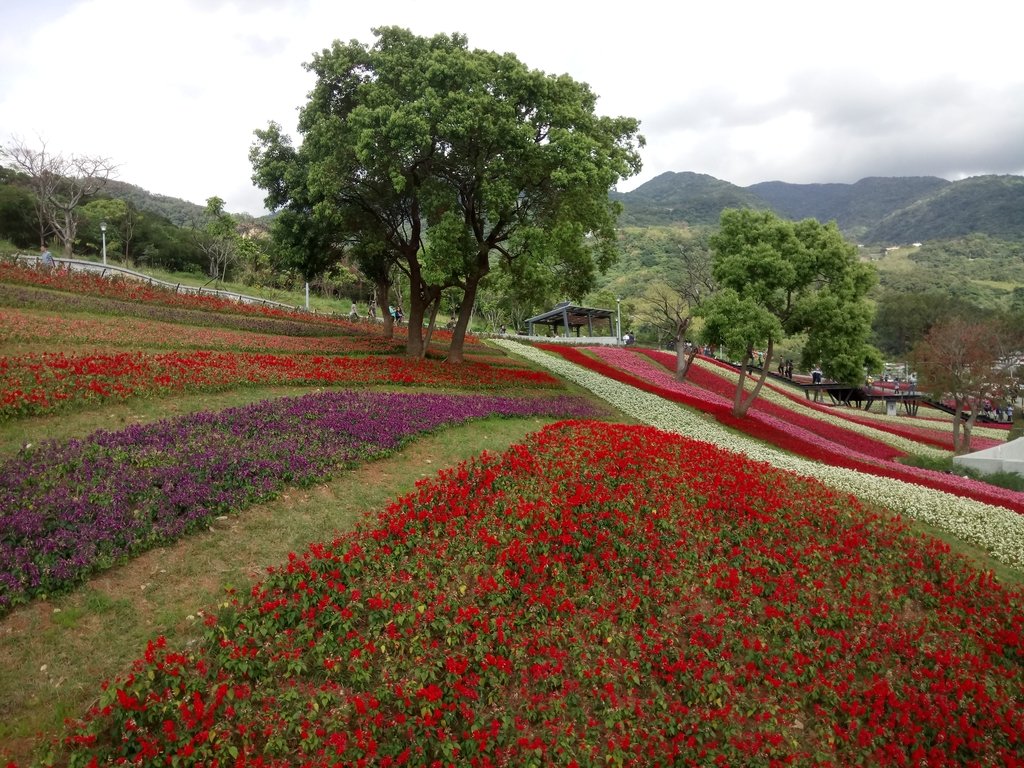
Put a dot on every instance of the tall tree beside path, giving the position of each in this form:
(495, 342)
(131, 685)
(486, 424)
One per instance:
(453, 161)
(779, 278)
(60, 184)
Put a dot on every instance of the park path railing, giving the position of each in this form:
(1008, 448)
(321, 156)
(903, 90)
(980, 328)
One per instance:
(106, 270)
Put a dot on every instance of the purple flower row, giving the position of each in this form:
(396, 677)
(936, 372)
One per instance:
(70, 509)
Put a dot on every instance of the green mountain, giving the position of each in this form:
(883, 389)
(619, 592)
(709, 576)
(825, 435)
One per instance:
(691, 199)
(876, 210)
(990, 205)
(178, 211)
(856, 208)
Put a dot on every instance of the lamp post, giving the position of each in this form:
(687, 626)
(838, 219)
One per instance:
(103, 234)
(618, 320)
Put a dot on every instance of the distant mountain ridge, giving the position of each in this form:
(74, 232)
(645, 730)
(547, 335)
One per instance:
(872, 210)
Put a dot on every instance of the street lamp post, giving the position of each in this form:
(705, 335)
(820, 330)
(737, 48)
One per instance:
(618, 320)
(103, 234)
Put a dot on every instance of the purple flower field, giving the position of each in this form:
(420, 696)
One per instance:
(70, 509)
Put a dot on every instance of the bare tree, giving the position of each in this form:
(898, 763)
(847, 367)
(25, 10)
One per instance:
(670, 303)
(969, 362)
(128, 223)
(59, 183)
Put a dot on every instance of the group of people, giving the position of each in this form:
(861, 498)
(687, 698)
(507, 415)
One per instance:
(371, 312)
(1000, 413)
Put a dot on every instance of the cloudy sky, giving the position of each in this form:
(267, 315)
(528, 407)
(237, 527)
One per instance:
(743, 90)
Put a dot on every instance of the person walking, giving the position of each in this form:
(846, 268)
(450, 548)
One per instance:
(46, 258)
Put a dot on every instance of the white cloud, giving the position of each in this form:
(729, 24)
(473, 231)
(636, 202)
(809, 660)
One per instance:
(745, 91)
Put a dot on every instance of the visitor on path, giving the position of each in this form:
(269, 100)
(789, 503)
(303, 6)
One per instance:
(353, 312)
(371, 310)
(46, 259)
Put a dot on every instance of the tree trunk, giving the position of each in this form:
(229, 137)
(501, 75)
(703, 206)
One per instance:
(958, 422)
(435, 305)
(684, 355)
(740, 405)
(965, 440)
(381, 292)
(414, 325)
(684, 359)
(456, 350)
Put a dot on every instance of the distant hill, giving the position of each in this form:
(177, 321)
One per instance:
(990, 205)
(178, 211)
(874, 210)
(856, 208)
(693, 199)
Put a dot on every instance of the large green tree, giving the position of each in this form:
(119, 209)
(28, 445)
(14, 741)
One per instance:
(17, 210)
(453, 161)
(778, 278)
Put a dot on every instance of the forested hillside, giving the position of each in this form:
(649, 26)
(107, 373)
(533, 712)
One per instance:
(692, 199)
(174, 209)
(873, 211)
(990, 205)
(856, 208)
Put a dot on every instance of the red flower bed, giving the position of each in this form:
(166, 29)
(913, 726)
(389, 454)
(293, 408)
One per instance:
(136, 291)
(31, 384)
(837, 455)
(854, 441)
(929, 435)
(579, 601)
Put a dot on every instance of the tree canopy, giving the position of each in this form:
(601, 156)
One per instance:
(779, 278)
(970, 361)
(449, 161)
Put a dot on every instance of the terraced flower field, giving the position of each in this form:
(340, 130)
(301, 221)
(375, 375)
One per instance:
(640, 580)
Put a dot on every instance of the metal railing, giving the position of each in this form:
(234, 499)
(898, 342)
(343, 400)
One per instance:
(107, 270)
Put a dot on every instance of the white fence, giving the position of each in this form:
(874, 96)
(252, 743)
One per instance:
(573, 340)
(105, 270)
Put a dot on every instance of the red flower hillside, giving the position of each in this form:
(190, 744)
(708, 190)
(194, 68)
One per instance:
(790, 438)
(32, 384)
(580, 601)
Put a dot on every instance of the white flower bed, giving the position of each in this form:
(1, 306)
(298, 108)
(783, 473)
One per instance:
(997, 530)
